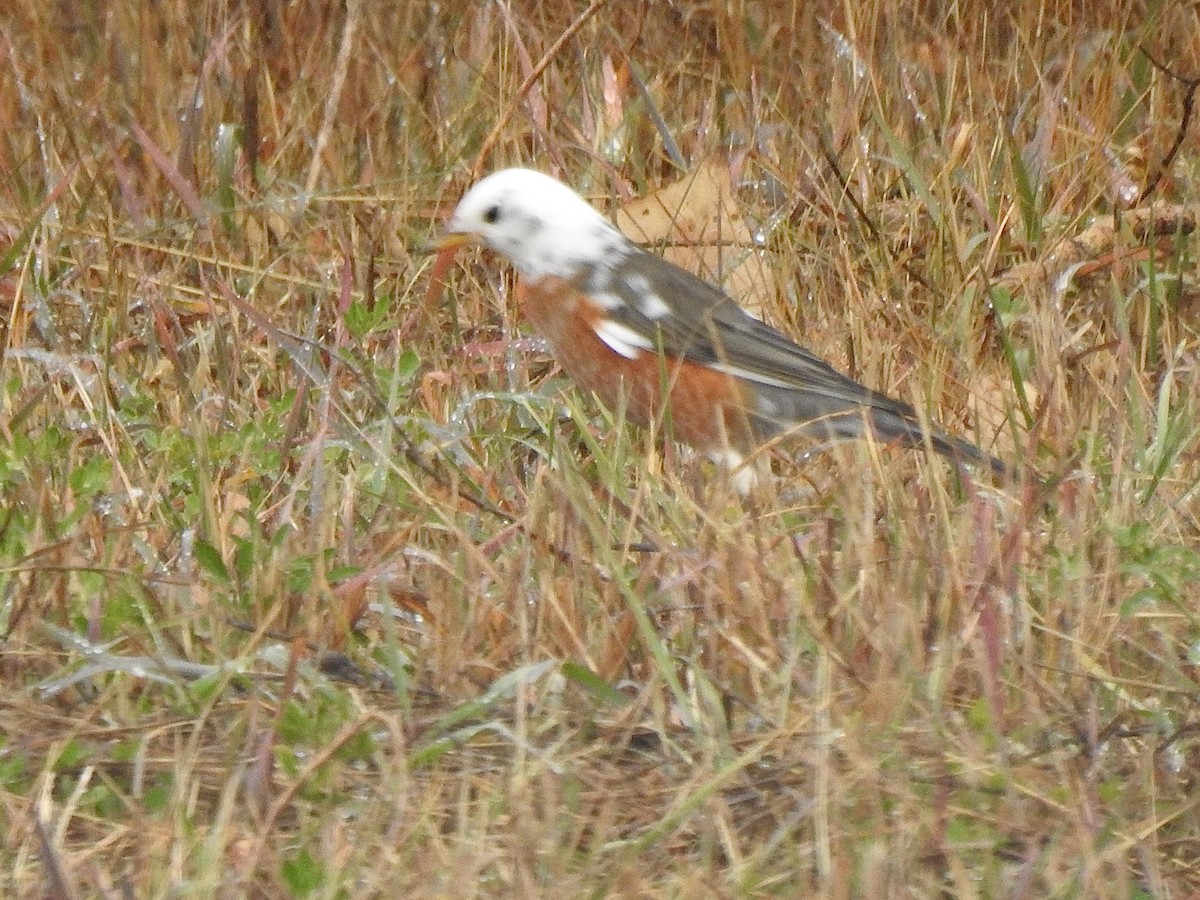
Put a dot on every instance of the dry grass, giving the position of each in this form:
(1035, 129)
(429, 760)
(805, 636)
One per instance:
(235, 444)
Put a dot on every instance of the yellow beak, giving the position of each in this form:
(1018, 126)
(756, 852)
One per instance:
(450, 241)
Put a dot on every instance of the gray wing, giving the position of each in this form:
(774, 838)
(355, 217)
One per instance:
(795, 386)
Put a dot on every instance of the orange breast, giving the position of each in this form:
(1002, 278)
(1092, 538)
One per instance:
(705, 408)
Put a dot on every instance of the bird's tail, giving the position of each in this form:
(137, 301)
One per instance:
(886, 419)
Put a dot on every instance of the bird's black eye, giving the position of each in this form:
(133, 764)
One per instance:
(491, 215)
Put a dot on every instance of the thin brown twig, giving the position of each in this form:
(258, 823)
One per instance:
(340, 68)
(59, 884)
(1189, 99)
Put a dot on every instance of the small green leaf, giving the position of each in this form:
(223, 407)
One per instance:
(361, 320)
(243, 558)
(407, 365)
(303, 873)
(14, 771)
(592, 683)
(157, 798)
(210, 561)
(205, 688)
(357, 319)
(71, 757)
(90, 478)
(300, 575)
(341, 573)
(1027, 192)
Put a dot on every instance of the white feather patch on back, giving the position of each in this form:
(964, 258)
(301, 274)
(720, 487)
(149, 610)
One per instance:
(607, 300)
(654, 306)
(621, 339)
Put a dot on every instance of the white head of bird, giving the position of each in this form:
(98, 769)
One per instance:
(539, 224)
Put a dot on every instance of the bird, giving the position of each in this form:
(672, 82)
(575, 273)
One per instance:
(646, 335)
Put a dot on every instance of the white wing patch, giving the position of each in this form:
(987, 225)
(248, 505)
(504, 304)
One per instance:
(607, 300)
(649, 301)
(621, 339)
(749, 376)
(639, 283)
(654, 306)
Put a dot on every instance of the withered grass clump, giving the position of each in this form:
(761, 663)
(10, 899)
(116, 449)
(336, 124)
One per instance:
(311, 587)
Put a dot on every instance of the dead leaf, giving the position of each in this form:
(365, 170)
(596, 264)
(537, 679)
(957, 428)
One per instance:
(698, 220)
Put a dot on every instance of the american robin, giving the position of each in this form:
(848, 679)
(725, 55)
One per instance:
(634, 328)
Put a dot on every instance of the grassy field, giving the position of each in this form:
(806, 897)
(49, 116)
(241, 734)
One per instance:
(310, 586)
